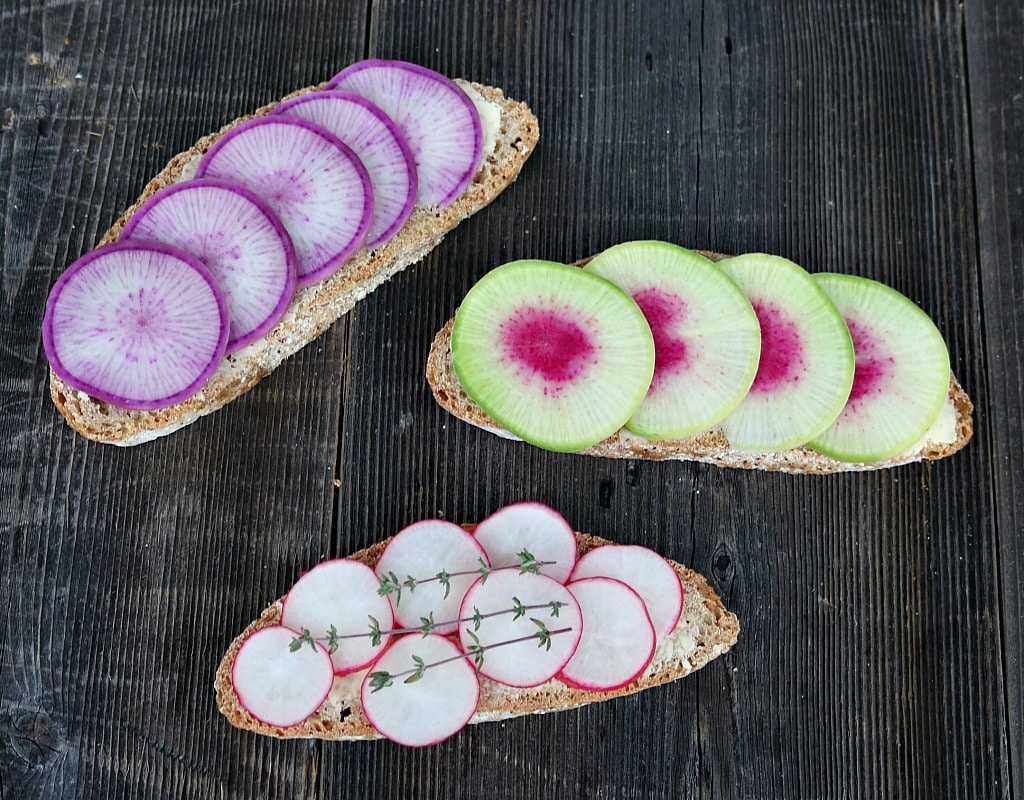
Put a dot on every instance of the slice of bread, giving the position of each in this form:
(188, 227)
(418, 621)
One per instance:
(316, 307)
(705, 631)
(950, 433)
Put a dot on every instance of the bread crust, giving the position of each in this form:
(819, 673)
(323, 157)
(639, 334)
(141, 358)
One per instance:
(314, 308)
(710, 447)
(705, 631)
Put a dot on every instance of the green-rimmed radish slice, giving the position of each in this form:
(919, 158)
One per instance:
(902, 372)
(136, 324)
(375, 138)
(559, 356)
(806, 366)
(236, 235)
(706, 336)
(438, 120)
(312, 181)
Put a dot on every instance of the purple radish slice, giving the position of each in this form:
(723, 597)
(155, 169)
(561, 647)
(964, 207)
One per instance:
(376, 140)
(341, 593)
(618, 637)
(558, 356)
(901, 379)
(277, 686)
(706, 335)
(643, 571)
(535, 528)
(524, 663)
(312, 181)
(431, 708)
(438, 120)
(239, 239)
(806, 367)
(136, 324)
(421, 551)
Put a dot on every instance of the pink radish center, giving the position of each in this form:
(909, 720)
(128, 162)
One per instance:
(781, 349)
(664, 310)
(141, 318)
(547, 345)
(873, 365)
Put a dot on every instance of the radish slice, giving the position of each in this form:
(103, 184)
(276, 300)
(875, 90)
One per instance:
(437, 119)
(377, 142)
(277, 686)
(420, 552)
(430, 709)
(528, 662)
(533, 527)
(340, 593)
(643, 571)
(618, 638)
(240, 240)
(312, 181)
(136, 324)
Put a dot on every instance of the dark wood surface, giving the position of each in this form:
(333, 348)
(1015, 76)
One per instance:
(882, 613)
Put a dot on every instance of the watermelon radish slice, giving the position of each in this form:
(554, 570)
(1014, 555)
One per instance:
(438, 120)
(643, 571)
(278, 686)
(534, 527)
(376, 140)
(420, 552)
(524, 663)
(706, 335)
(136, 324)
(559, 356)
(312, 181)
(342, 594)
(902, 374)
(239, 239)
(431, 708)
(806, 368)
(618, 637)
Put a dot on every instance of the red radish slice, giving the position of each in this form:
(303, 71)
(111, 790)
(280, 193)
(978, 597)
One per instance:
(277, 686)
(437, 119)
(528, 662)
(643, 571)
(312, 181)
(240, 240)
(136, 324)
(533, 527)
(430, 709)
(618, 638)
(375, 138)
(340, 593)
(420, 552)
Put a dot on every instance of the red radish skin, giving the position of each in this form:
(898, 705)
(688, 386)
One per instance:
(534, 527)
(664, 310)
(277, 686)
(108, 332)
(548, 345)
(781, 350)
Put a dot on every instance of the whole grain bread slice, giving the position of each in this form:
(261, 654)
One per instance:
(705, 631)
(316, 307)
(712, 446)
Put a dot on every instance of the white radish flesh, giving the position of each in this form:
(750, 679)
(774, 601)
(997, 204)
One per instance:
(378, 143)
(422, 551)
(430, 709)
(643, 571)
(277, 686)
(529, 662)
(236, 235)
(618, 638)
(438, 120)
(137, 325)
(341, 593)
(535, 528)
(312, 181)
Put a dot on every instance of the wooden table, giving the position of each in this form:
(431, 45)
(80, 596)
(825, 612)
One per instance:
(882, 613)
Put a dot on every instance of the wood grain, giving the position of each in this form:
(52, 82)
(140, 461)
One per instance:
(880, 654)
